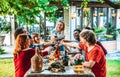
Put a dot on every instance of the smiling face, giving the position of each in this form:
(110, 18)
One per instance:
(60, 26)
(83, 41)
(36, 38)
(76, 35)
(88, 37)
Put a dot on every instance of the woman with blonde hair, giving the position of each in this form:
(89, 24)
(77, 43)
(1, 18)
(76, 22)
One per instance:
(58, 33)
(60, 26)
(22, 55)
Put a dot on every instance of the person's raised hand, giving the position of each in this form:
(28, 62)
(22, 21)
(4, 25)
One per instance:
(62, 42)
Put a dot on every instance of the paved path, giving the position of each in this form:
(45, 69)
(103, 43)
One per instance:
(9, 53)
(114, 56)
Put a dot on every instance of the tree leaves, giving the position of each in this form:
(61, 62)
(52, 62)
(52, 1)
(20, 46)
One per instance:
(27, 9)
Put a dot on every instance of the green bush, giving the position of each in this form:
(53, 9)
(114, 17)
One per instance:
(1, 50)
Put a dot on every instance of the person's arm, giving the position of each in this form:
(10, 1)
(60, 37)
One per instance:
(44, 53)
(71, 44)
(89, 64)
(53, 34)
(65, 40)
(68, 50)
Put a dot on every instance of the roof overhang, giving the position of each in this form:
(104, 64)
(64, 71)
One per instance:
(95, 3)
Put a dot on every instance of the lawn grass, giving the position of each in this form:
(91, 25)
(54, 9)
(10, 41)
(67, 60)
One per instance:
(7, 68)
(113, 68)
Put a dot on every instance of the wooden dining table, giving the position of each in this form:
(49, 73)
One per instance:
(68, 73)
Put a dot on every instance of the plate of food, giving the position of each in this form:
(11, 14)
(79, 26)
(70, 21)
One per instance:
(78, 68)
(56, 67)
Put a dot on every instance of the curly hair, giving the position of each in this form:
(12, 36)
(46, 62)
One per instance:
(22, 42)
(89, 36)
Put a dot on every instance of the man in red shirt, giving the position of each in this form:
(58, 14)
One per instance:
(95, 58)
(98, 42)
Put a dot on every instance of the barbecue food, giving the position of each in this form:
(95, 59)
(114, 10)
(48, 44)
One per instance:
(56, 67)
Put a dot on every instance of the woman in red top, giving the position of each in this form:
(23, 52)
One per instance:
(95, 58)
(23, 54)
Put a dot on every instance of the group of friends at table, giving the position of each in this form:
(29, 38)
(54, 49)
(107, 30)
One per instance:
(94, 52)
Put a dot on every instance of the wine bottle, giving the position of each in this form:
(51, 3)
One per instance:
(65, 59)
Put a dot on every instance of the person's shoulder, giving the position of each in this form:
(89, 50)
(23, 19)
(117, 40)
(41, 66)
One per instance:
(32, 49)
(96, 46)
(29, 49)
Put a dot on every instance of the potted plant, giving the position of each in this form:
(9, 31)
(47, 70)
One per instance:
(100, 32)
(1, 50)
(78, 60)
(112, 32)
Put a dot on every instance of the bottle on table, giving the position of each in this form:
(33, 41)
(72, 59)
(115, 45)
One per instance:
(65, 59)
(37, 61)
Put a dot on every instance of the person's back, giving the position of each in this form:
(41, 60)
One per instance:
(22, 55)
(103, 48)
(97, 55)
(22, 62)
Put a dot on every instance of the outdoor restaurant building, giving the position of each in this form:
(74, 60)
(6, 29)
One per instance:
(95, 15)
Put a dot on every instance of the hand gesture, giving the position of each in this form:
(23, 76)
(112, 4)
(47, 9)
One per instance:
(62, 42)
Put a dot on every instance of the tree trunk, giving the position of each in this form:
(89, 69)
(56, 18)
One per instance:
(12, 30)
